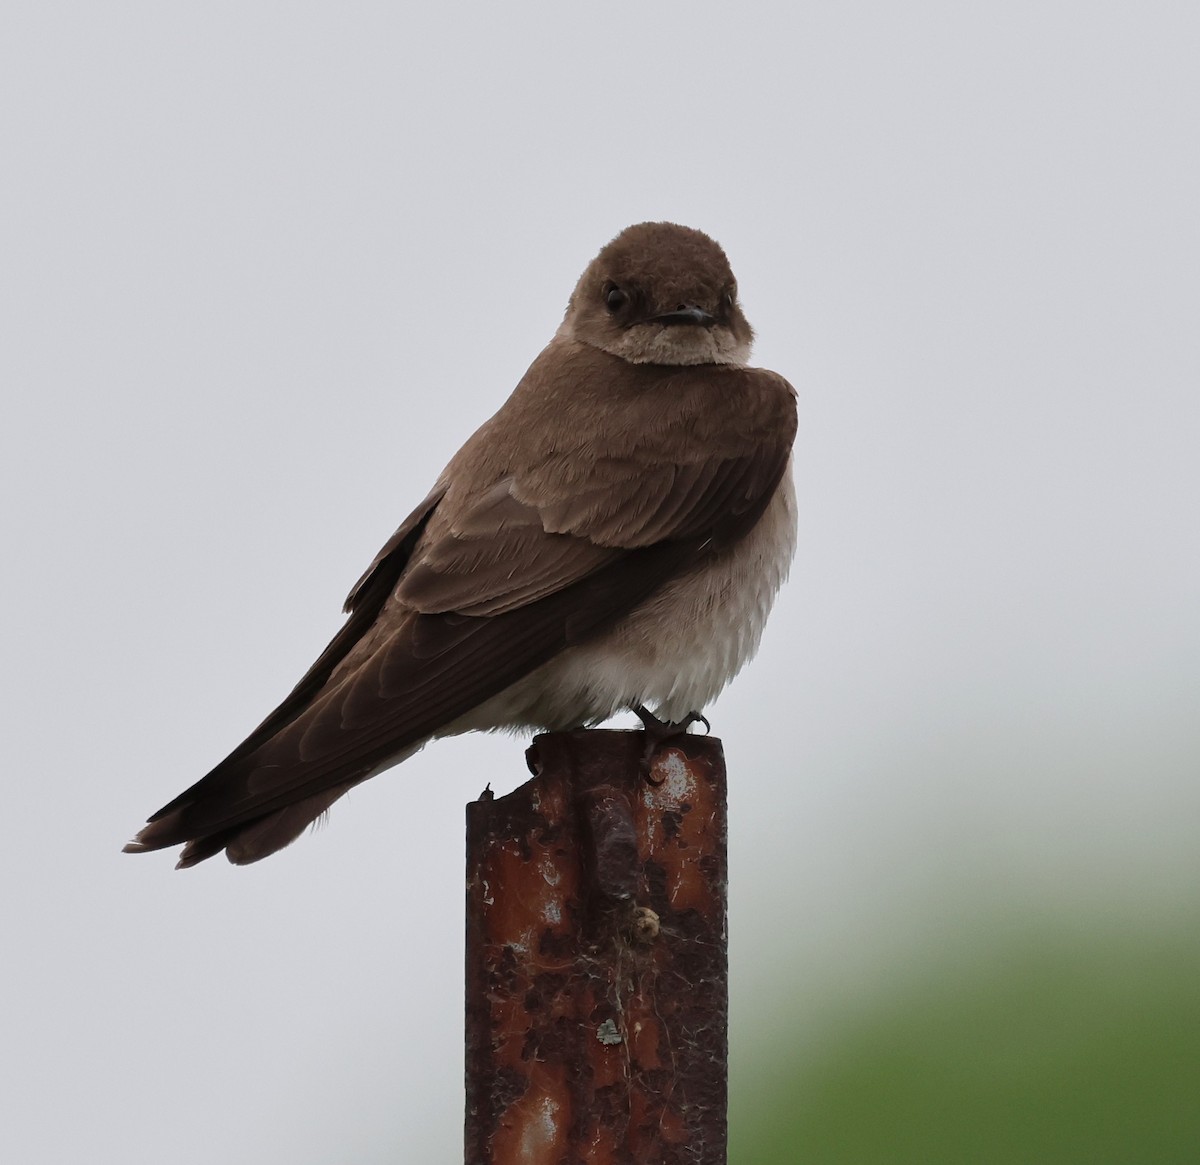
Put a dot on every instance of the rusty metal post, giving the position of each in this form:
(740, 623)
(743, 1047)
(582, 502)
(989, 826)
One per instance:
(597, 974)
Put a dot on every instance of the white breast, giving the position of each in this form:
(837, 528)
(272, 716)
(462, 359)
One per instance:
(675, 653)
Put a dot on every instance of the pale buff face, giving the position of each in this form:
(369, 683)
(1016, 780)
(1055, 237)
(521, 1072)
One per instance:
(650, 343)
(649, 272)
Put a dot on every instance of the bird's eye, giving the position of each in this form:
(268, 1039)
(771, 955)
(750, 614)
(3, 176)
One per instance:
(614, 298)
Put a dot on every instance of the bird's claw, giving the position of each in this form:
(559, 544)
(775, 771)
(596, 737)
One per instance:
(659, 731)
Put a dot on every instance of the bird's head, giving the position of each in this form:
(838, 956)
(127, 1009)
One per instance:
(660, 294)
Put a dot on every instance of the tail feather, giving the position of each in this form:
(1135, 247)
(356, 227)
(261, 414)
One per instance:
(247, 842)
(201, 822)
(261, 838)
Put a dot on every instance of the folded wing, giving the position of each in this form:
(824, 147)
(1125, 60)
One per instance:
(500, 569)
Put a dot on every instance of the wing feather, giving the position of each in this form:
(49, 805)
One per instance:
(504, 565)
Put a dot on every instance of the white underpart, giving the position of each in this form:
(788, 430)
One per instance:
(674, 654)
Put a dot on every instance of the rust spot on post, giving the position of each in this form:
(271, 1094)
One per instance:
(596, 958)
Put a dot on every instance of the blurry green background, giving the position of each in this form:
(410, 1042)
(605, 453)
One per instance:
(1070, 1041)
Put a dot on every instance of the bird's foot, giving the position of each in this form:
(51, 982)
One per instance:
(659, 731)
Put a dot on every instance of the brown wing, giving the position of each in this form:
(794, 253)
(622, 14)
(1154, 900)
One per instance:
(364, 604)
(523, 551)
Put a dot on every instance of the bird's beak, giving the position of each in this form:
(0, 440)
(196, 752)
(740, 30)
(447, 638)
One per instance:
(685, 315)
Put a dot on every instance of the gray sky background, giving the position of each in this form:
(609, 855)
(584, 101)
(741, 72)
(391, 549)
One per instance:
(265, 266)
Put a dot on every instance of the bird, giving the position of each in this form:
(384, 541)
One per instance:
(612, 538)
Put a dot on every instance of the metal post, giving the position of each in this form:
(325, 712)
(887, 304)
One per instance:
(597, 973)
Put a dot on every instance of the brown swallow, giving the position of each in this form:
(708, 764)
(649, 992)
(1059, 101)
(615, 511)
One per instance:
(614, 537)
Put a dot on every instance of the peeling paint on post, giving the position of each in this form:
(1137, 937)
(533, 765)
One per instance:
(597, 975)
